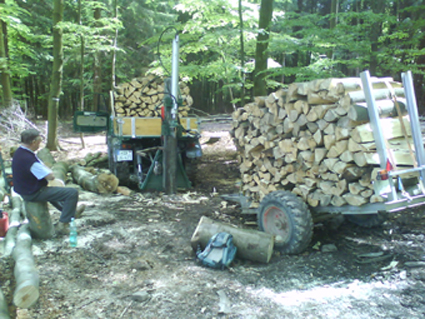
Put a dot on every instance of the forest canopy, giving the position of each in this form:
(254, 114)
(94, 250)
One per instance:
(123, 39)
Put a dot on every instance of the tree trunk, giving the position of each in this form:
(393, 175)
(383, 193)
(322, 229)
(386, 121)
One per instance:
(251, 244)
(26, 275)
(82, 51)
(242, 53)
(56, 81)
(4, 70)
(40, 222)
(266, 12)
(97, 68)
(100, 184)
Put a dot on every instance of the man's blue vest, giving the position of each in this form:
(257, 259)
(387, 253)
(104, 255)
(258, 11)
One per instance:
(24, 182)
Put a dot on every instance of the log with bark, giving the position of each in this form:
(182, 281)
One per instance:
(4, 310)
(316, 141)
(46, 157)
(26, 275)
(15, 218)
(40, 222)
(143, 97)
(102, 183)
(251, 244)
(60, 170)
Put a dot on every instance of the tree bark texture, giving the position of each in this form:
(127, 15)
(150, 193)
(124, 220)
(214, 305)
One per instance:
(56, 80)
(15, 218)
(261, 55)
(40, 223)
(251, 244)
(5, 73)
(97, 183)
(46, 157)
(26, 275)
(4, 311)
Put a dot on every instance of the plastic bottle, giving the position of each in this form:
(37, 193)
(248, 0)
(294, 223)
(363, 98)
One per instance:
(72, 233)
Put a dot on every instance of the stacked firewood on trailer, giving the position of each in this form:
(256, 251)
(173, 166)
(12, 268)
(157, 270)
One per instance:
(143, 97)
(315, 139)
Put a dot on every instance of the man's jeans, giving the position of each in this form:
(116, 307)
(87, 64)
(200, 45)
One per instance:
(64, 199)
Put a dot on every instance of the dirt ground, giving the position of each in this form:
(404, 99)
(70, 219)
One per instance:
(134, 258)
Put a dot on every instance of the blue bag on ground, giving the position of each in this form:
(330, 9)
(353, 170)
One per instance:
(219, 252)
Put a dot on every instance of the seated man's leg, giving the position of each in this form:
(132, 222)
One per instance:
(60, 197)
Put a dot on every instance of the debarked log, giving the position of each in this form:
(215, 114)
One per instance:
(251, 244)
(97, 183)
(27, 279)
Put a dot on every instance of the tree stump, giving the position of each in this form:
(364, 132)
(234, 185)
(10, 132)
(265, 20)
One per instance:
(41, 226)
(251, 244)
(27, 280)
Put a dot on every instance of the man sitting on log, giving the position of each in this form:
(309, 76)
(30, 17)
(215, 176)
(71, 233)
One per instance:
(30, 179)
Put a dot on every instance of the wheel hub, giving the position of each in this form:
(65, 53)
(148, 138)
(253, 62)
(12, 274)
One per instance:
(276, 222)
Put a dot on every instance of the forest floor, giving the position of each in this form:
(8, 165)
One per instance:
(134, 258)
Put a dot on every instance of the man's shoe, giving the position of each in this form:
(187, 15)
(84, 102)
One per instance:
(79, 211)
(61, 229)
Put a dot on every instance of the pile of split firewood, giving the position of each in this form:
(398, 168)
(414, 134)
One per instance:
(143, 97)
(315, 139)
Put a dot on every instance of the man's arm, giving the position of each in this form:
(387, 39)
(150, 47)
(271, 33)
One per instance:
(41, 171)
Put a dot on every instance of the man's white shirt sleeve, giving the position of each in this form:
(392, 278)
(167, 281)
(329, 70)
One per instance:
(39, 170)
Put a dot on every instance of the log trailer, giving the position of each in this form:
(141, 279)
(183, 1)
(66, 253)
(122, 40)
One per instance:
(288, 217)
(150, 152)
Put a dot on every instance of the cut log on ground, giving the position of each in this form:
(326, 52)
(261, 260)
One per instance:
(251, 244)
(14, 223)
(4, 311)
(40, 222)
(60, 170)
(27, 279)
(46, 157)
(97, 183)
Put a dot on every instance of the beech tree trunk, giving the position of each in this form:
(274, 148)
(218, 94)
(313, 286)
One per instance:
(26, 275)
(57, 70)
(40, 222)
(14, 223)
(46, 157)
(251, 244)
(4, 311)
(59, 169)
(97, 183)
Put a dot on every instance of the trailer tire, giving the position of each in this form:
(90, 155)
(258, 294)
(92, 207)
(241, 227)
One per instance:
(286, 216)
(367, 220)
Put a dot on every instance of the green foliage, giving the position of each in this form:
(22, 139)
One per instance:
(300, 40)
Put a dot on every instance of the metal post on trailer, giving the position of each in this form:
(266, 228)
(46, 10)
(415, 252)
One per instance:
(414, 196)
(414, 121)
(170, 124)
(376, 127)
